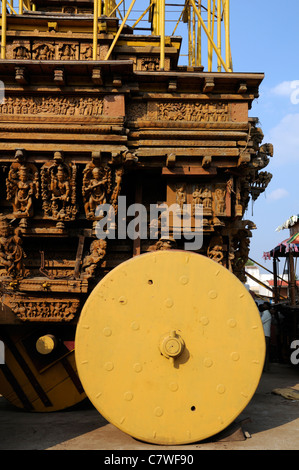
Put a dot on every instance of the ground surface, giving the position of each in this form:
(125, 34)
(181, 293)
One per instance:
(274, 425)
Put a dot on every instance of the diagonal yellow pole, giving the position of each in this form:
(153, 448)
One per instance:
(143, 14)
(120, 30)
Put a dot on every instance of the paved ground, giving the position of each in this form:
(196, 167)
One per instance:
(274, 425)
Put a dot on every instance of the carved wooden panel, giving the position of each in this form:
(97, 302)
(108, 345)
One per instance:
(45, 309)
(52, 106)
(194, 111)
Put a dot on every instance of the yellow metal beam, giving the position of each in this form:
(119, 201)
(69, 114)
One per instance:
(3, 29)
(162, 37)
(120, 30)
(199, 36)
(209, 36)
(143, 14)
(219, 32)
(95, 29)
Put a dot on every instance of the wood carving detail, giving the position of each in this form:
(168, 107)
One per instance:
(22, 185)
(193, 111)
(179, 111)
(11, 252)
(52, 106)
(45, 310)
(101, 185)
(215, 249)
(94, 259)
(43, 51)
(58, 183)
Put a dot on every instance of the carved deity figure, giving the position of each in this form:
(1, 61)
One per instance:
(92, 260)
(67, 52)
(202, 196)
(21, 52)
(86, 52)
(11, 252)
(220, 194)
(43, 51)
(60, 193)
(22, 186)
(164, 244)
(96, 188)
(118, 174)
(215, 250)
(180, 196)
(58, 180)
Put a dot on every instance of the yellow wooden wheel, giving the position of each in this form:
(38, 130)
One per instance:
(170, 347)
(40, 372)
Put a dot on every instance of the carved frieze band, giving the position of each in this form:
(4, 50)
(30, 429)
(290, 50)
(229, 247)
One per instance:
(53, 50)
(45, 310)
(52, 106)
(197, 111)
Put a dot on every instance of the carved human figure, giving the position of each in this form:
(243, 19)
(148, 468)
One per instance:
(43, 52)
(164, 244)
(96, 187)
(92, 260)
(206, 195)
(11, 252)
(22, 187)
(215, 250)
(58, 181)
(21, 52)
(180, 196)
(60, 193)
(116, 190)
(220, 201)
(67, 52)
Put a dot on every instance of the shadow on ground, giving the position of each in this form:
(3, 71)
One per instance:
(271, 417)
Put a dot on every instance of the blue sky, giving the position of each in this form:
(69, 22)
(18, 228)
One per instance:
(265, 38)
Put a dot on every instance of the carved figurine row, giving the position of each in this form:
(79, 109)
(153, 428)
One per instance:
(52, 105)
(22, 50)
(212, 198)
(56, 185)
(76, 50)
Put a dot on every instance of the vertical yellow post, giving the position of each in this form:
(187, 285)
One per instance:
(219, 32)
(227, 34)
(95, 29)
(193, 38)
(100, 9)
(210, 51)
(21, 7)
(162, 35)
(189, 36)
(156, 17)
(199, 36)
(3, 29)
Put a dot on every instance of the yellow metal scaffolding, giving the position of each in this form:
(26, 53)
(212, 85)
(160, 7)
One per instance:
(208, 24)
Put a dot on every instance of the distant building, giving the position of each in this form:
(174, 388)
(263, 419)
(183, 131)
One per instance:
(256, 287)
